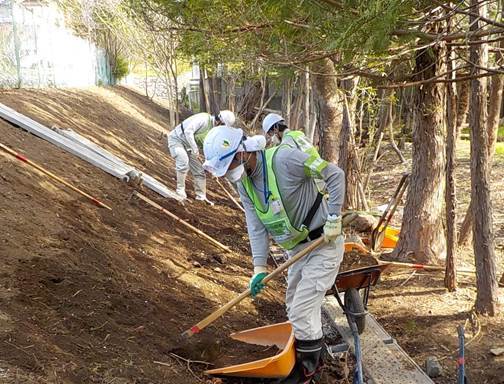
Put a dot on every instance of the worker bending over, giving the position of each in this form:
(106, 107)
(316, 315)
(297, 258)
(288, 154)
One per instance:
(183, 143)
(280, 198)
(276, 132)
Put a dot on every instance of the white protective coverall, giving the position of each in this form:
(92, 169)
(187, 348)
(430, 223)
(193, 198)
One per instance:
(184, 149)
(313, 275)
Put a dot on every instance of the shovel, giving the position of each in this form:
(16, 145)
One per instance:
(222, 310)
(379, 231)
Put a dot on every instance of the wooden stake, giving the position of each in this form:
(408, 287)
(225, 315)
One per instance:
(425, 267)
(52, 175)
(222, 310)
(184, 223)
(230, 195)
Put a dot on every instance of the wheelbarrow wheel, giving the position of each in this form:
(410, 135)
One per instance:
(355, 305)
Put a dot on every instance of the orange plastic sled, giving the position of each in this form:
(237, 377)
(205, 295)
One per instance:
(278, 366)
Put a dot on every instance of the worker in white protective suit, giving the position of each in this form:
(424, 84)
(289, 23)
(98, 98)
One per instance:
(184, 142)
(281, 200)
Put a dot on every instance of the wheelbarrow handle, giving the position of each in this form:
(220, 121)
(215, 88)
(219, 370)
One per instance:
(226, 307)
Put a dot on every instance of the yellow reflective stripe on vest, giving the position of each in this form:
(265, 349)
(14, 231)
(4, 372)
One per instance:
(314, 165)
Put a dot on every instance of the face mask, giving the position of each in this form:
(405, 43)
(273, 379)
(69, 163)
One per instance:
(234, 175)
(275, 140)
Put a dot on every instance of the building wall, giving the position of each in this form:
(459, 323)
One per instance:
(38, 50)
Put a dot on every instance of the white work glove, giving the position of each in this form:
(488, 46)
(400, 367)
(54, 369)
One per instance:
(332, 228)
(194, 151)
(255, 284)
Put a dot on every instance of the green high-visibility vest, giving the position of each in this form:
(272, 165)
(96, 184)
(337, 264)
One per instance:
(200, 136)
(314, 162)
(273, 214)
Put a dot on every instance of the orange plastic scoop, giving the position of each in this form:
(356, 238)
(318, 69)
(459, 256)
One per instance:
(277, 366)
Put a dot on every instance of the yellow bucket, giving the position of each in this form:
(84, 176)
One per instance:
(391, 237)
(278, 366)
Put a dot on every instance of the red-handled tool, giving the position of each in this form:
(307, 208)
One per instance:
(52, 175)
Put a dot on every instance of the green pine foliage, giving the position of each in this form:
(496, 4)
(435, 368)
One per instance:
(283, 32)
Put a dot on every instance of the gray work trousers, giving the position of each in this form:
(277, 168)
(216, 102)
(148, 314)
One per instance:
(185, 160)
(308, 281)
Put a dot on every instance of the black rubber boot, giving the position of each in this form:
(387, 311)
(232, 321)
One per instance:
(309, 362)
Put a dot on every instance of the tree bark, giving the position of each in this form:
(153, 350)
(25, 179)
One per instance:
(231, 92)
(306, 109)
(462, 103)
(494, 109)
(349, 160)
(450, 280)
(210, 93)
(422, 236)
(483, 239)
(391, 132)
(331, 109)
(203, 98)
(287, 100)
(379, 133)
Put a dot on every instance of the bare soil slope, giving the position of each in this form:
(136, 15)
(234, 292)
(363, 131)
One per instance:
(93, 296)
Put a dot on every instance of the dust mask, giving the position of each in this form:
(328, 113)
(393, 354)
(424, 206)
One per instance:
(234, 175)
(275, 140)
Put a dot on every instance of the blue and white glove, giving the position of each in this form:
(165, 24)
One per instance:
(332, 228)
(255, 283)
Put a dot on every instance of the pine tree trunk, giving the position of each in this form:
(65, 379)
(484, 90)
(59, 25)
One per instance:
(306, 109)
(483, 239)
(391, 133)
(331, 110)
(210, 93)
(287, 100)
(494, 108)
(450, 280)
(203, 97)
(422, 236)
(463, 103)
(378, 135)
(349, 161)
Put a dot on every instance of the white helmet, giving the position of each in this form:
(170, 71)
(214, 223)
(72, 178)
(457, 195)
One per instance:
(270, 120)
(227, 118)
(219, 147)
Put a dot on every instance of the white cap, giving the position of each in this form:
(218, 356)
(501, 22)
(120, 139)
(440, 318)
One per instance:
(227, 118)
(254, 143)
(270, 120)
(219, 147)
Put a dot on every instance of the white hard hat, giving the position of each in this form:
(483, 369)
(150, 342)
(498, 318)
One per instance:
(227, 117)
(219, 147)
(270, 120)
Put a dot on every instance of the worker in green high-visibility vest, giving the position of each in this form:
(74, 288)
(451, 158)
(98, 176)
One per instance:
(278, 192)
(183, 143)
(276, 132)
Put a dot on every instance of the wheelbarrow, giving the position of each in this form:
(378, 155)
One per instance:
(350, 283)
